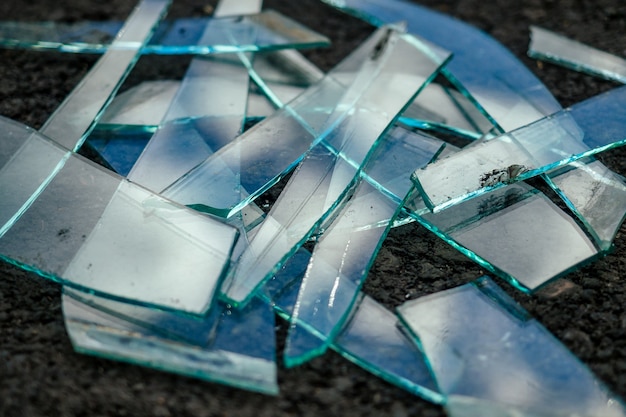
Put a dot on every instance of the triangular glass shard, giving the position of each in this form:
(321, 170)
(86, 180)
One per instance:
(268, 30)
(120, 146)
(585, 129)
(515, 232)
(596, 194)
(346, 249)
(391, 77)
(99, 232)
(239, 350)
(482, 345)
(74, 119)
(551, 47)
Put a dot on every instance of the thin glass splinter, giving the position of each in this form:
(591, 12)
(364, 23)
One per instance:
(268, 30)
(551, 47)
(490, 358)
(390, 78)
(585, 129)
(105, 231)
(346, 249)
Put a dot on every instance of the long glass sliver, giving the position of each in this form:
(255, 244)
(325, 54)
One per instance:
(267, 31)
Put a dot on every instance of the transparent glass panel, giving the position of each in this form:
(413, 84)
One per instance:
(268, 30)
(346, 249)
(78, 114)
(323, 178)
(551, 47)
(596, 194)
(515, 232)
(240, 350)
(97, 231)
(587, 128)
(482, 345)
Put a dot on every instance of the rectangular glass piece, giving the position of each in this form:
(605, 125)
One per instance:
(240, 351)
(551, 47)
(585, 129)
(345, 251)
(483, 348)
(78, 114)
(100, 232)
(515, 232)
(323, 179)
(596, 195)
(268, 30)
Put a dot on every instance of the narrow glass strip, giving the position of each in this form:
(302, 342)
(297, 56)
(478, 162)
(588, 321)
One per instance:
(74, 119)
(99, 232)
(557, 49)
(396, 73)
(486, 352)
(346, 249)
(585, 129)
(227, 34)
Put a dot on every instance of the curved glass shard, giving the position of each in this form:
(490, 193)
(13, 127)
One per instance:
(239, 351)
(345, 251)
(515, 232)
(486, 352)
(551, 47)
(74, 119)
(393, 76)
(99, 232)
(585, 129)
(268, 30)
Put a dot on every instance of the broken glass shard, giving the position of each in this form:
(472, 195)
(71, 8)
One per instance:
(371, 338)
(346, 249)
(236, 8)
(585, 129)
(551, 47)
(515, 232)
(483, 348)
(78, 114)
(239, 350)
(268, 30)
(324, 178)
(100, 232)
(260, 157)
(596, 194)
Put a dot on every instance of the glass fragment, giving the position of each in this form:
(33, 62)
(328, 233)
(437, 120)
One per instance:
(105, 231)
(239, 351)
(596, 194)
(268, 30)
(346, 249)
(490, 75)
(515, 232)
(585, 129)
(487, 353)
(73, 120)
(371, 338)
(323, 179)
(551, 47)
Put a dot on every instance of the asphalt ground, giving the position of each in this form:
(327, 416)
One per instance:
(40, 375)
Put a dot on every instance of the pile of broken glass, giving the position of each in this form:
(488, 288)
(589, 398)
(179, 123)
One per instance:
(167, 261)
